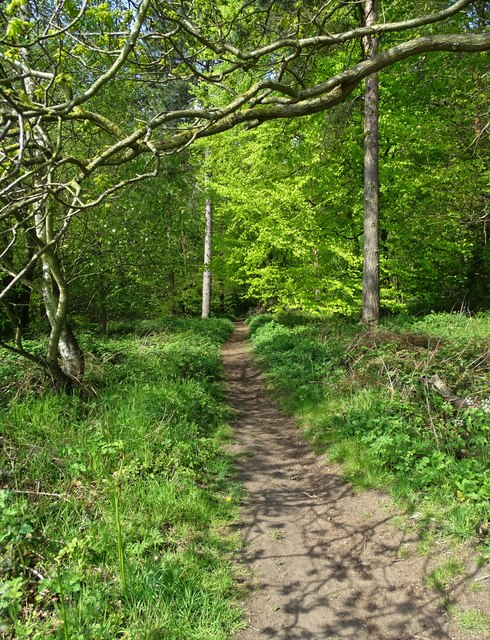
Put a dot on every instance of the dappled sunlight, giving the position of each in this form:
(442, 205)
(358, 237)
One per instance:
(324, 561)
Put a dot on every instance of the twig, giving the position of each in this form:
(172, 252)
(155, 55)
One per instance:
(38, 575)
(310, 495)
(443, 390)
(40, 493)
(482, 578)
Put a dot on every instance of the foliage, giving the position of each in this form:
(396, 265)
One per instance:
(289, 198)
(95, 99)
(281, 204)
(149, 442)
(143, 251)
(366, 396)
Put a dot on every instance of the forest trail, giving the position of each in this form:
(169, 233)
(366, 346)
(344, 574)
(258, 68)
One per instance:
(323, 562)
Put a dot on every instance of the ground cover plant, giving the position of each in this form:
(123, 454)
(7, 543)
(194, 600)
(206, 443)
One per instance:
(372, 397)
(114, 499)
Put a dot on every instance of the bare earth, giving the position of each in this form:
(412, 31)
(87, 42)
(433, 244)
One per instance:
(324, 562)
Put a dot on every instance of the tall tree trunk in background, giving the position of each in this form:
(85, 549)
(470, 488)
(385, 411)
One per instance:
(208, 242)
(370, 279)
(206, 280)
(316, 268)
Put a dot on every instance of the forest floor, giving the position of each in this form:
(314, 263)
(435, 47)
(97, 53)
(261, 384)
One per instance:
(325, 562)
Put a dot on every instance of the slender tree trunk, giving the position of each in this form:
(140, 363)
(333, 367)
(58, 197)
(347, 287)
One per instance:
(171, 273)
(206, 281)
(72, 358)
(222, 297)
(370, 282)
(65, 358)
(208, 244)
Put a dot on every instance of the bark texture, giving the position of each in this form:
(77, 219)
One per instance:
(65, 361)
(370, 282)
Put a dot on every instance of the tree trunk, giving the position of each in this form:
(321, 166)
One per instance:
(222, 298)
(206, 281)
(370, 280)
(64, 359)
(72, 359)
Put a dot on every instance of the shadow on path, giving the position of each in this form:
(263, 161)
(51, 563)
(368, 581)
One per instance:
(325, 563)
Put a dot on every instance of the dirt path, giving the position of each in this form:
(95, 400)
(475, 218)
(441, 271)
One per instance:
(324, 563)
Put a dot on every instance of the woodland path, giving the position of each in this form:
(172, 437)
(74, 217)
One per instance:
(323, 562)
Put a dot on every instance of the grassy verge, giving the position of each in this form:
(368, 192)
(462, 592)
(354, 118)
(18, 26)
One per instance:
(366, 396)
(113, 508)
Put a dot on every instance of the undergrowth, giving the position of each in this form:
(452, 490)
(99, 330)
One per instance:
(113, 506)
(367, 396)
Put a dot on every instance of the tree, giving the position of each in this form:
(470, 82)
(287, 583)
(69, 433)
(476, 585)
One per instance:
(287, 190)
(370, 281)
(64, 150)
(208, 246)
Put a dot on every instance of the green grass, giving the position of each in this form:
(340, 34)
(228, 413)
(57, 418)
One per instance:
(404, 552)
(441, 577)
(476, 587)
(469, 621)
(114, 506)
(364, 396)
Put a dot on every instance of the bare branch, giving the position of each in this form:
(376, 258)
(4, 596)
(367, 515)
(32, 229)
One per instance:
(324, 40)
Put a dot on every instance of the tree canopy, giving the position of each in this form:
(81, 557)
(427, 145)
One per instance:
(218, 65)
(95, 97)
